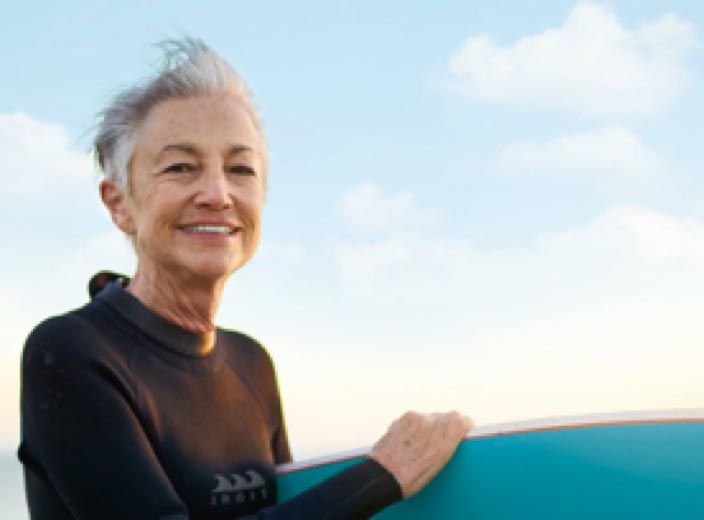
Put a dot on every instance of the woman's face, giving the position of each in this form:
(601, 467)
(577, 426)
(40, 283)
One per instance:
(196, 188)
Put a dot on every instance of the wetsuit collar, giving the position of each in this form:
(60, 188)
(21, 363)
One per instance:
(169, 334)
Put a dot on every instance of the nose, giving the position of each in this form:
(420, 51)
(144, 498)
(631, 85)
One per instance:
(213, 191)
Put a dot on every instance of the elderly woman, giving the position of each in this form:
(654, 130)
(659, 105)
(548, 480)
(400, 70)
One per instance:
(135, 406)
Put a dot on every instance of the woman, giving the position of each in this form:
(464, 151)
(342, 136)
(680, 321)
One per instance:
(136, 406)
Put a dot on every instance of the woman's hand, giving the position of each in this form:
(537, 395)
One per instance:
(417, 446)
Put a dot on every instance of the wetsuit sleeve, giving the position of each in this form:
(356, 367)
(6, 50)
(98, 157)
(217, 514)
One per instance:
(357, 492)
(269, 388)
(78, 415)
(280, 447)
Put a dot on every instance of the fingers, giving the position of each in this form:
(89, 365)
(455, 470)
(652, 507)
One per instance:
(417, 446)
(460, 423)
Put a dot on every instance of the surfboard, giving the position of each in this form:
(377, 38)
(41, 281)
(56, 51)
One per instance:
(645, 465)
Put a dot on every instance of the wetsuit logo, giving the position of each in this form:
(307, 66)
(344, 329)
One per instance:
(237, 489)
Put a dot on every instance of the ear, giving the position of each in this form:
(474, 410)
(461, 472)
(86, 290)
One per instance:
(118, 205)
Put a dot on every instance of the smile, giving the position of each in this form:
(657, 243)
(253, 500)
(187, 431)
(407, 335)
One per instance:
(209, 228)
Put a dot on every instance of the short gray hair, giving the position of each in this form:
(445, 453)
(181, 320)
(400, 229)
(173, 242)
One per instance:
(189, 68)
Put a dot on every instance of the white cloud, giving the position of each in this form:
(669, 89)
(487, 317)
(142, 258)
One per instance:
(612, 151)
(643, 243)
(365, 208)
(37, 159)
(591, 65)
(402, 268)
(624, 252)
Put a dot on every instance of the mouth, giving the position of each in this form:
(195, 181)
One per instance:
(210, 229)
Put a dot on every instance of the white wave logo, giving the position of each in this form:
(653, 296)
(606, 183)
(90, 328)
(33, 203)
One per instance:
(238, 489)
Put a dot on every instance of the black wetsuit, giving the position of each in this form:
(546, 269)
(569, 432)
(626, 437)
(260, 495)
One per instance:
(122, 418)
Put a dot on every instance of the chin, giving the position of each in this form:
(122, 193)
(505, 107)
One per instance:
(214, 270)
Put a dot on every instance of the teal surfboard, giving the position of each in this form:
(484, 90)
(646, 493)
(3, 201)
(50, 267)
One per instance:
(644, 465)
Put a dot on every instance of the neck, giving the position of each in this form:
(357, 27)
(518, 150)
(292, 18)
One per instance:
(190, 304)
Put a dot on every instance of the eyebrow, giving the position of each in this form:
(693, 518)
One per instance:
(192, 149)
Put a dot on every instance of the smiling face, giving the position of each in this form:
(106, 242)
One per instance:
(196, 188)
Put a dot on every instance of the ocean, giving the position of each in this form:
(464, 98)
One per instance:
(12, 502)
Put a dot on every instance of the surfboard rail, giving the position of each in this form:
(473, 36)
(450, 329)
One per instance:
(662, 416)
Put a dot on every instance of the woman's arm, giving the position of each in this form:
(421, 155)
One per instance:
(356, 492)
(414, 449)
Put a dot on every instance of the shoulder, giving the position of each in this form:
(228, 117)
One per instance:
(72, 337)
(248, 358)
(66, 355)
(245, 348)
(54, 332)
(52, 353)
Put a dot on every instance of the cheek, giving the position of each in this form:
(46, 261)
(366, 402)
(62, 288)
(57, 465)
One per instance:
(250, 208)
(153, 225)
(254, 217)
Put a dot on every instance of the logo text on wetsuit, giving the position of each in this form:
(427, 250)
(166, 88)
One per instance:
(237, 489)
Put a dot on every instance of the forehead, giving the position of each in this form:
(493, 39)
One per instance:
(216, 121)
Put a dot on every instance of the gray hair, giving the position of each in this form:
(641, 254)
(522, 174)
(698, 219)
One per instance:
(189, 68)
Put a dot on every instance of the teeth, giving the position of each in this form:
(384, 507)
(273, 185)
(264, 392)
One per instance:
(209, 229)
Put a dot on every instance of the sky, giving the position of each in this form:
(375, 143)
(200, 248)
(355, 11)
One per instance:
(495, 207)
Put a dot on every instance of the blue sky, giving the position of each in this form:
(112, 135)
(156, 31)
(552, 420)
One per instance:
(496, 207)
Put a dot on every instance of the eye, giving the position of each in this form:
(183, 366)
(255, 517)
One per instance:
(180, 168)
(241, 170)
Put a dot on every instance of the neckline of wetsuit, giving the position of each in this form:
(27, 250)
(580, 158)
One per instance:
(166, 333)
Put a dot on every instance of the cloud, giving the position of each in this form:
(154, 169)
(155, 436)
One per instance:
(612, 151)
(365, 209)
(591, 65)
(402, 268)
(638, 241)
(624, 252)
(37, 159)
